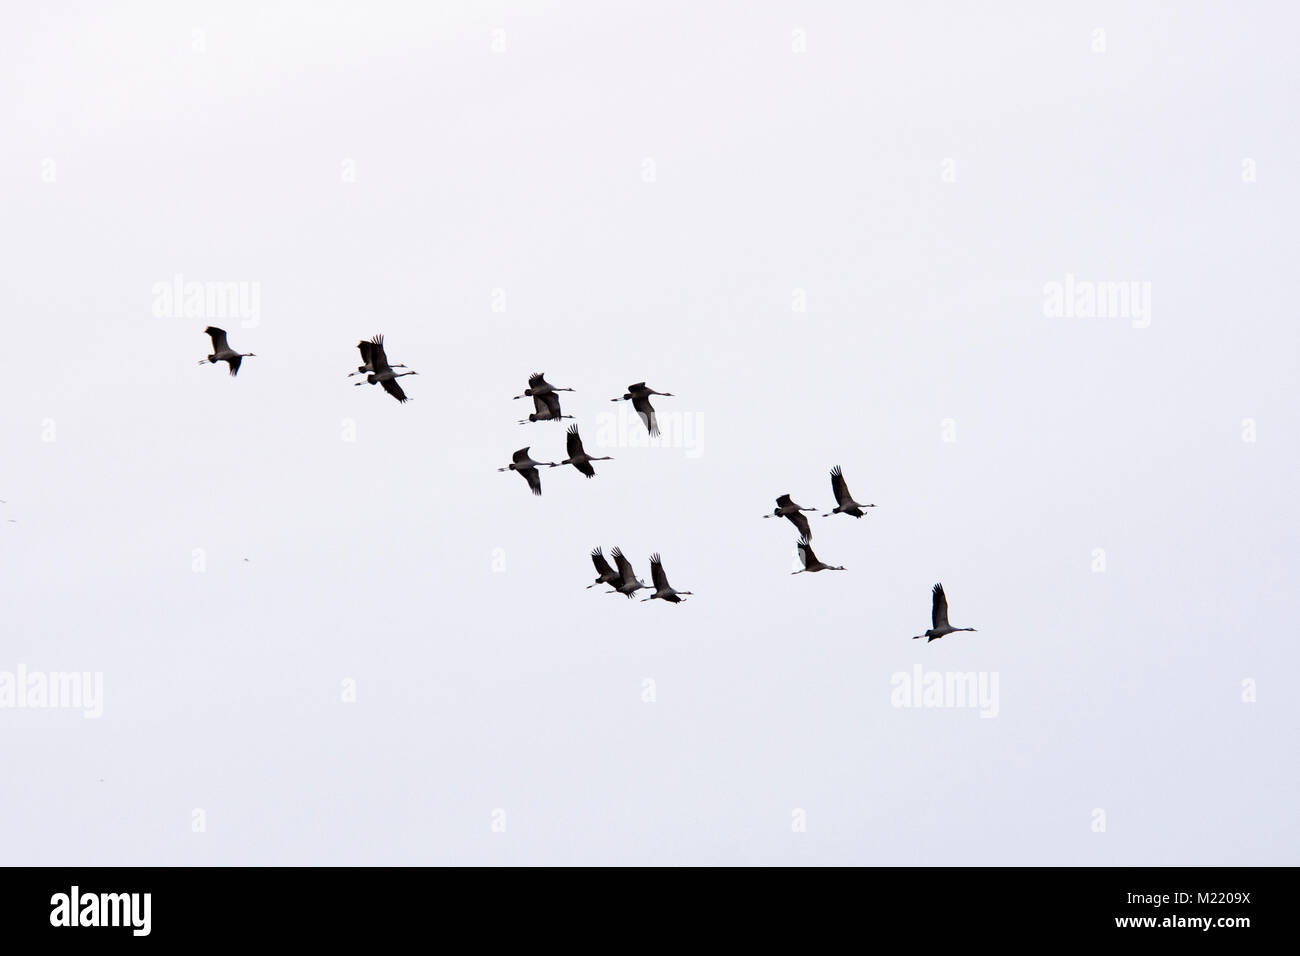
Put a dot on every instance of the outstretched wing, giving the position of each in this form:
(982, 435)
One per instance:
(806, 552)
(218, 338)
(939, 613)
(602, 566)
(572, 442)
(364, 347)
(647, 412)
(234, 365)
(379, 358)
(534, 479)
(784, 501)
(540, 408)
(625, 572)
(800, 522)
(521, 455)
(638, 387)
(657, 573)
(537, 379)
(839, 486)
(552, 404)
(394, 389)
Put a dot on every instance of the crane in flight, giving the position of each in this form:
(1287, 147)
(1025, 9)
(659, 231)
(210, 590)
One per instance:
(548, 409)
(786, 508)
(538, 385)
(810, 562)
(639, 396)
(578, 458)
(939, 618)
(381, 372)
(627, 583)
(364, 347)
(662, 590)
(607, 575)
(844, 501)
(222, 352)
(528, 468)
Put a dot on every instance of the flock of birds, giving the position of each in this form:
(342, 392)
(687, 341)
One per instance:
(622, 578)
(546, 402)
(787, 508)
(844, 505)
(625, 581)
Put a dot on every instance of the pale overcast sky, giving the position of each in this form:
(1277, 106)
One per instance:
(834, 231)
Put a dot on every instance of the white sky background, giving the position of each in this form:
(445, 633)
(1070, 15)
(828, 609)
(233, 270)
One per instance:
(518, 689)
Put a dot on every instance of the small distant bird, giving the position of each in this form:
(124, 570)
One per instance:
(548, 409)
(786, 508)
(381, 372)
(939, 618)
(538, 385)
(639, 396)
(846, 504)
(528, 468)
(364, 347)
(810, 562)
(662, 590)
(607, 574)
(627, 583)
(222, 352)
(578, 458)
